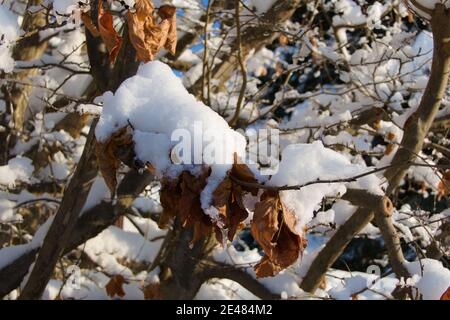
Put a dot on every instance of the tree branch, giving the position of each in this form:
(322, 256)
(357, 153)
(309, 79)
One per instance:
(419, 123)
(223, 271)
(368, 204)
(77, 191)
(253, 37)
(90, 224)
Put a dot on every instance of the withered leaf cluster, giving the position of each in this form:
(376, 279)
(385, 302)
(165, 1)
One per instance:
(109, 155)
(147, 35)
(180, 199)
(115, 286)
(228, 199)
(273, 225)
(148, 31)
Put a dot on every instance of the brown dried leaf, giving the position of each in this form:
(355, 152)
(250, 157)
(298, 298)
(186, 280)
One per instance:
(148, 36)
(266, 268)
(228, 199)
(404, 292)
(107, 155)
(389, 149)
(410, 17)
(169, 195)
(110, 37)
(236, 217)
(273, 227)
(181, 198)
(446, 295)
(242, 172)
(190, 210)
(202, 228)
(168, 13)
(115, 286)
(444, 185)
(136, 32)
(86, 18)
(152, 291)
(144, 8)
(391, 136)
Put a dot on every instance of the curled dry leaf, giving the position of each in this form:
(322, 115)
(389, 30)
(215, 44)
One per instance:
(228, 199)
(444, 185)
(168, 13)
(273, 227)
(152, 291)
(241, 172)
(112, 39)
(146, 35)
(390, 136)
(89, 24)
(446, 295)
(109, 153)
(191, 213)
(169, 196)
(389, 149)
(115, 286)
(181, 198)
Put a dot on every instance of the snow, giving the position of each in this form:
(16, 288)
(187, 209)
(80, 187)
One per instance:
(99, 192)
(350, 13)
(261, 6)
(9, 33)
(223, 289)
(9, 254)
(146, 204)
(342, 211)
(113, 244)
(64, 6)
(434, 278)
(285, 282)
(17, 169)
(303, 163)
(189, 57)
(67, 6)
(122, 243)
(413, 222)
(91, 287)
(164, 116)
(7, 212)
(359, 285)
